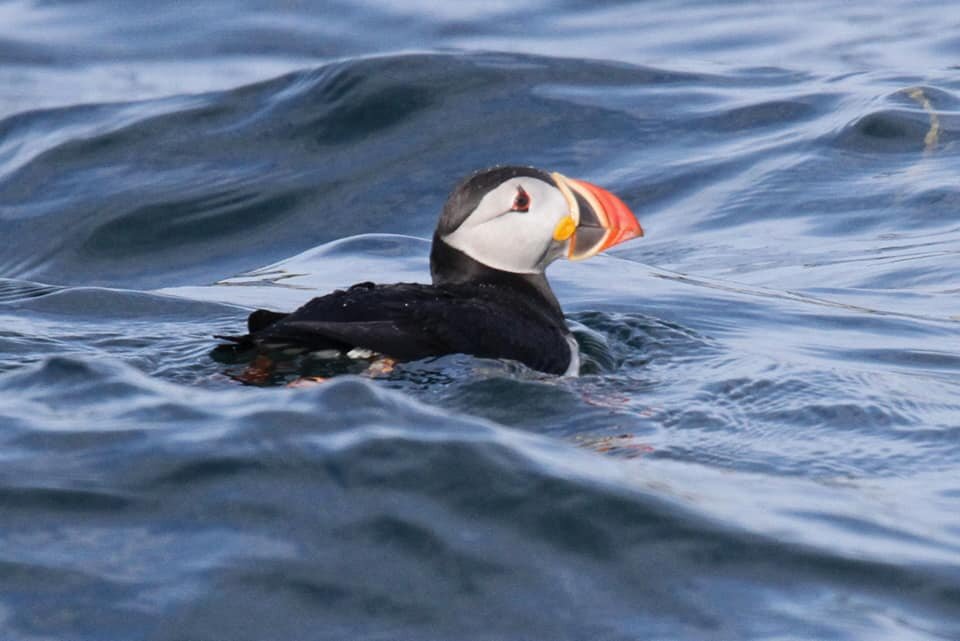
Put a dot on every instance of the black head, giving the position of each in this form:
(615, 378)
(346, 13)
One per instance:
(465, 197)
(504, 218)
(518, 220)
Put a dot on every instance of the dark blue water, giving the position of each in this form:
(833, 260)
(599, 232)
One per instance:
(765, 442)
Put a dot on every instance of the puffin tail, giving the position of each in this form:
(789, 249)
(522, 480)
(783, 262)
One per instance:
(257, 321)
(262, 319)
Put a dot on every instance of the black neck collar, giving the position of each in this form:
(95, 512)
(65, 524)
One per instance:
(451, 266)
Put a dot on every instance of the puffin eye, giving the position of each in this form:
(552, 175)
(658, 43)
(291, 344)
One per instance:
(522, 202)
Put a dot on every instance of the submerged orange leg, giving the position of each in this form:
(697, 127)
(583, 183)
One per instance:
(380, 367)
(625, 445)
(308, 381)
(258, 372)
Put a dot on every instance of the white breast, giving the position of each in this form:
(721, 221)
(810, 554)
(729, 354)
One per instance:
(574, 368)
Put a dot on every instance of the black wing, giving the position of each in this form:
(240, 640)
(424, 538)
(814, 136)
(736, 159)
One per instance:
(410, 321)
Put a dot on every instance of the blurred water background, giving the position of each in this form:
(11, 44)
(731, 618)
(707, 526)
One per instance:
(765, 440)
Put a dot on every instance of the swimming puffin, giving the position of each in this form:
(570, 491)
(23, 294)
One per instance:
(499, 230)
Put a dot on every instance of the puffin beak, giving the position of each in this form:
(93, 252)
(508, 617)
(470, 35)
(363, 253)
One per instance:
(600, 220)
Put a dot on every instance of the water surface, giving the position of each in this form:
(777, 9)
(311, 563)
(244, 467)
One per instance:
(764, 441)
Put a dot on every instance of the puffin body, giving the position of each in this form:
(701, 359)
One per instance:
(499, 230)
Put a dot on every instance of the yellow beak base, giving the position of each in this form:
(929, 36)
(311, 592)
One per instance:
(564, 229)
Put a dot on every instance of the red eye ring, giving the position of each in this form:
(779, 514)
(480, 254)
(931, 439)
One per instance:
(522, 202)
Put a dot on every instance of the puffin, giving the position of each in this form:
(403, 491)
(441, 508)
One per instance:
(499, 230)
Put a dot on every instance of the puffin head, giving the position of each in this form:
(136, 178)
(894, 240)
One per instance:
(521, 219)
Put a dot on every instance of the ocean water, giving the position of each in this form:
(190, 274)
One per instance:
(765, 440)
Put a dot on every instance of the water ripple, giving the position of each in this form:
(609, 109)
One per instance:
(473, 507)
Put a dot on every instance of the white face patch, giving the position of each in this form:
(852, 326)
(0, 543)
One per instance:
(514, 241)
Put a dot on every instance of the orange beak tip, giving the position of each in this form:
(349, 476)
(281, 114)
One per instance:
(617, 217)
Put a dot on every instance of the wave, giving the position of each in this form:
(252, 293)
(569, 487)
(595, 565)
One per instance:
(362, 504)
